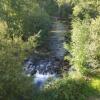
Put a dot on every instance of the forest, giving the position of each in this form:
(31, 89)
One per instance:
(49, 49)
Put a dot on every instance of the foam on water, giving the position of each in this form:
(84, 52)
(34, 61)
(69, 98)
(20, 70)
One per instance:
(41, 71)
(40, 79)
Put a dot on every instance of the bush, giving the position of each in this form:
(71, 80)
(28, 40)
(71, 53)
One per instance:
(85, 44)
(67, 89)
(50, 6)
(24, 18)
(86, 9)
(14, 85)
(93, 48)
(36, 20)
(79, 42)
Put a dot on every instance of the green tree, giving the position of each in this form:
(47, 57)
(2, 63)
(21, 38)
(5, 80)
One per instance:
(24, 17)
(14, 85)
(85, 34)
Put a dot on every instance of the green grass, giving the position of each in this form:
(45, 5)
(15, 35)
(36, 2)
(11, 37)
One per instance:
(67, 88)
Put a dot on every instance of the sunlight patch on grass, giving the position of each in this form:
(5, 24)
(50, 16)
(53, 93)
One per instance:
(95, 83)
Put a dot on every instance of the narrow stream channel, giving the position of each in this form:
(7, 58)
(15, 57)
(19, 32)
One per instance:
(45, 68)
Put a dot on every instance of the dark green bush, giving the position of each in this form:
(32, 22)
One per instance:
(66, 89)
(14, 85)
(24, 18)
(85, 28)
(50, 6)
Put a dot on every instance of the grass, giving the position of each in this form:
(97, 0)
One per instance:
(67, 88)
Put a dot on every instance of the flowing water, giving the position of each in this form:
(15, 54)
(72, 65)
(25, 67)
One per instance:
(57, 39)
(45, 68)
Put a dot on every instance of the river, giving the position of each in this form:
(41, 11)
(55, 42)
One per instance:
(45, 68)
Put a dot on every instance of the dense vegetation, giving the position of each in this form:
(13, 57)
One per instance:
(25, 25)
(86, 35)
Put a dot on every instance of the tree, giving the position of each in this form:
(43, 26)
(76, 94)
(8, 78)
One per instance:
(24, 17)
(85, 34)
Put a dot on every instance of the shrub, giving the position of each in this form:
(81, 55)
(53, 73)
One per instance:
(79, 42)
(24, 18)
(14, 85)
(66, 89)
(86, 9)
(85, 44)
(93, 49)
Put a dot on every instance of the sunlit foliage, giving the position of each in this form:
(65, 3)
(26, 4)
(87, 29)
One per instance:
(14, 84)
(25, 25)
(24, 18)
(85, 35)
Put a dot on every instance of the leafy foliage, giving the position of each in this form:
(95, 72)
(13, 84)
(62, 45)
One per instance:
(50, 6)
(31, 20)
(93, 50)
(69, 88)
(79, 42)
(85, 35)
(14, 85)
(24, 18)
(86, 9)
